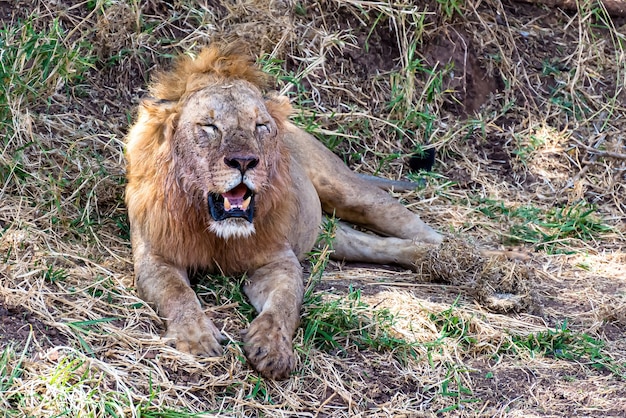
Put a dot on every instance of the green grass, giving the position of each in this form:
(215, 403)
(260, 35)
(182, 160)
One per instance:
(563, 343)
(413, 113)
(450, 8)
(525, 149)
(332, 324)
(546, 229)
(218, 290)
(451, 325)
(53, 274)
(157, 412)
(409, 114)
(42, 67)
(259, 390)
(335, 323)
(454, 330)
(73, 387)
(559, 343)
(35, 64)
(11, 368)
(84, 328)
(453, 388)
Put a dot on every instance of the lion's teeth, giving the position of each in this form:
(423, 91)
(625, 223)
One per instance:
(246, 203)
(227, 205)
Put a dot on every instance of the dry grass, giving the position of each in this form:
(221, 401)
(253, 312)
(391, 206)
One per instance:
(529, 128)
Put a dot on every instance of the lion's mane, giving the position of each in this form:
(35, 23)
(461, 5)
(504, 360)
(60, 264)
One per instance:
(175, 221)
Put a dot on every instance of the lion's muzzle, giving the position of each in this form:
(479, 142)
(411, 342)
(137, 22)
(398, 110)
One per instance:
(235, 203)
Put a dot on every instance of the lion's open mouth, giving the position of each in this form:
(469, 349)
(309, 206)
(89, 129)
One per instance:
(235, 203)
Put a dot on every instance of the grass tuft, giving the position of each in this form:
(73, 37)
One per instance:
(550, 229)
(563, 343)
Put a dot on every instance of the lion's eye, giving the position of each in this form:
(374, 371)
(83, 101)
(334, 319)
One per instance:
(262, 128)
(209, 129)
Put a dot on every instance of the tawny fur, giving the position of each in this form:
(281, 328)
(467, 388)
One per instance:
(204, 114)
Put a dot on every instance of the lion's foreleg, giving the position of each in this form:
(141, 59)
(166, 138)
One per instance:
(276, 291)
(166, 288)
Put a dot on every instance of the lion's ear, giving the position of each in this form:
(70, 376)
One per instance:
(161, 116)
(279, 108)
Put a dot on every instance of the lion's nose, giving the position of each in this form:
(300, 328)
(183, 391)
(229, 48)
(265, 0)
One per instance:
(242, 163)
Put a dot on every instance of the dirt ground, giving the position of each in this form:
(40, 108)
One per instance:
(524, 105)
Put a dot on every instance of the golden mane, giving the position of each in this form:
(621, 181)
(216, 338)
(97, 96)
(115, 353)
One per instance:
(216, 63)
(174, 221)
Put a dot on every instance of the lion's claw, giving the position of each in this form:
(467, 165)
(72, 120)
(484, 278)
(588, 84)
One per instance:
(196, 335)
(268, 348)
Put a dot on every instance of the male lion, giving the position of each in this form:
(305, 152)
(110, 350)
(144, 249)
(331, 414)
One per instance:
(220, 180)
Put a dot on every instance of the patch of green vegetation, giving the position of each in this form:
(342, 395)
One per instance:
(332, 324)
(449, 8)
(38, 65)
(81, 328)
(406, 110)
(320, 254)
(53, 274)
(551, 66)
(35, 64)
(573, 104)
(438, 183)
(219, 290)
(154, 411)
(525, 149)
(10, 370)
(259, 390)
(559, 343)
(123, 225)
(562, 343)
(452, 387)
(412, 113)
(72, 388)
(291, 83)
(74, 384)
(546, 229)
(104, 288)
(451, 325)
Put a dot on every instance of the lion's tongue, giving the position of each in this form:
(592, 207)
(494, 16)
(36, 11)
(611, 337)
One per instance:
(234, 198)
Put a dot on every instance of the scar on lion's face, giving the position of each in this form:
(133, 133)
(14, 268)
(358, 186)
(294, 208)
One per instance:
(231, 128)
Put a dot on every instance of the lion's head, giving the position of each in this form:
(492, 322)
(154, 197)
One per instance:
(208, 145)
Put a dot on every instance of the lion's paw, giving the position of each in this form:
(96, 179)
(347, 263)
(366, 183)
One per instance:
(195, 335)
(268, 347)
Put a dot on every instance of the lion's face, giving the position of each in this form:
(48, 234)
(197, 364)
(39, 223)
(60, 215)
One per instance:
(225, 154)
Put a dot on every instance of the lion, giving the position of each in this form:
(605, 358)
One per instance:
(219, 180)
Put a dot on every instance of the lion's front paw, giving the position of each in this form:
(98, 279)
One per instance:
(268, 347)
(195, 334)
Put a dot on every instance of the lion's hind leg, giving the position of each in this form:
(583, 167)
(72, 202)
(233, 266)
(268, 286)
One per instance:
(353, 198)
(353, 245)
